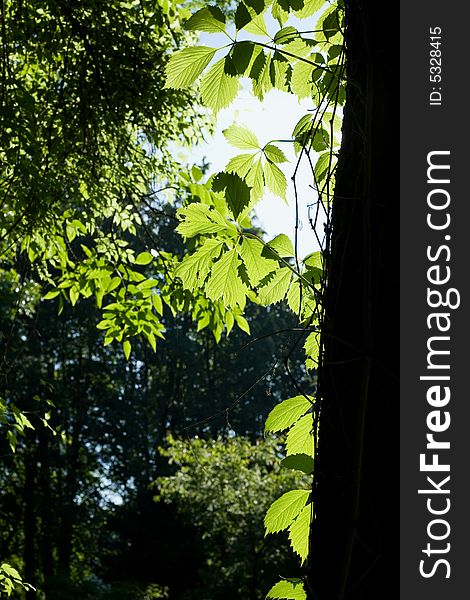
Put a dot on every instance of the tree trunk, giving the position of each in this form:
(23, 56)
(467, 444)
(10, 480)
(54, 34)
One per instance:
(354, 537)
(29, 489)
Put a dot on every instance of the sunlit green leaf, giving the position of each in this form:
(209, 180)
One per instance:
(237, 192)
(275, 180)
(256, 265)
(198, 218)
(275, 288)
(241, 164)
(284, 510)
(286, 413)
(286, 590)
(185, 66)
(218, 89)
(210, 19)
(224, 281)
(282, 244)
(241, 137)
(300, 438)
(194, 269)
(274, 154)
(299, 532)
(299, 462)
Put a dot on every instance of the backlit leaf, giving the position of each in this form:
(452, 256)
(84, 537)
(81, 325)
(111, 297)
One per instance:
(237, 192)
(284, 510)
(275, 180)
(194, 269)
(224, 281)
(274, 154)
(299, 532)
(285, 35)
(185, 66)
(241, 137)
(286, 413)
(241, 164)
(218, 89)
(276, 287)
(299, 462)
(287, 590)
(199, 218)
(210, 19)
(256, 265)
(283, 245)
(300, 437)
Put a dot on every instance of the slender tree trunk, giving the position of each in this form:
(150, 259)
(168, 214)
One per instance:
(47, 524)
(29, 490)
(354, 537)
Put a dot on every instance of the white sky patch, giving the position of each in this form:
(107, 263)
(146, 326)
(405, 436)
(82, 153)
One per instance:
(271, 120)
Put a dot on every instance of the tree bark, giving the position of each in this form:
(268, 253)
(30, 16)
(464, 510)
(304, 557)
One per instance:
(354, 537)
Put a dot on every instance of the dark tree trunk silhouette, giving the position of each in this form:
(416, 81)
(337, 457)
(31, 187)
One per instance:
(354, 537)
(29, 503)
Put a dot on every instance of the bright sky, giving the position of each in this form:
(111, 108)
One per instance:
(274, 118)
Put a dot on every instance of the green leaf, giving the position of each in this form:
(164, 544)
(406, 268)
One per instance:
(199, 218)
(301, 80)
(257, 6)
(242, 55)
(299, 532)
(242, 323)
(257, 26)
(275, 180)
(51, 294)
(285, 35)
(287, 590)
(210, 19)
(144, 258)
(257, 66)
(194, 269)
(218, 89)
(185, 66)
(309, 8)
(283, 245)
(276, 287)
(256, 265)
(299, 462)
(279, 13)
(255, 179)
(274, 154)
(304, 124)
(241, 137)
(331, 24)
(286, 413)
(237, 192)
(224, 281)
(278, 72)
(261, 76)
(241, 164)
(284, 510)
(294, 297)
(300, 437)
(322, 167)
(312, 349)
(126, 346)
(242, 16)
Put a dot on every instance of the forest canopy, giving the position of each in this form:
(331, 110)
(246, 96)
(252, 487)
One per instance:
(136, 410)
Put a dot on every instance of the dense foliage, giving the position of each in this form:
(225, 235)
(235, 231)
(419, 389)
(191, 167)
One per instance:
(93, 97)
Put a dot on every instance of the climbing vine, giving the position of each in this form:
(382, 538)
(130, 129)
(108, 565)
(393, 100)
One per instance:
(230, 263)
(78, 231)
